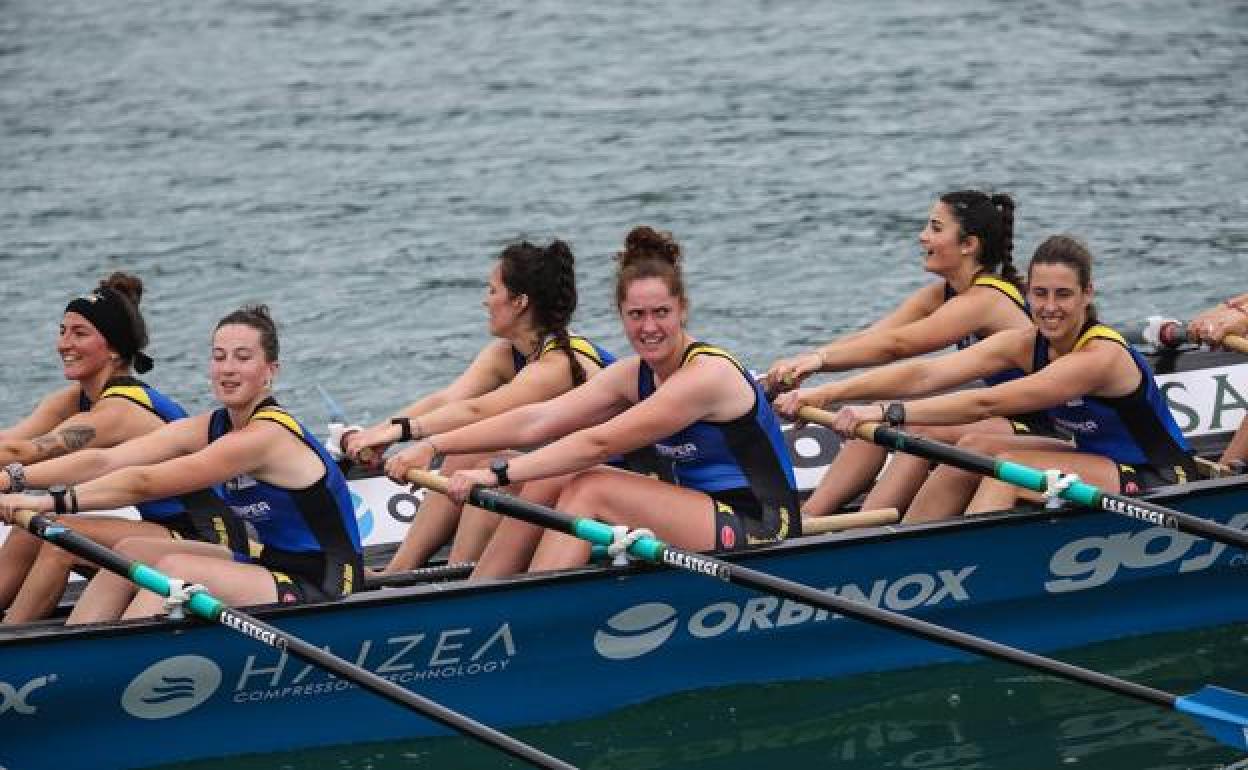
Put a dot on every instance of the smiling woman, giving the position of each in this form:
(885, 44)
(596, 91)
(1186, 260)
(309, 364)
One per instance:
(273, 473)
(102, 336)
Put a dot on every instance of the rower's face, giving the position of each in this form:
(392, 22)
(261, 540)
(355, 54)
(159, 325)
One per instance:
(503, 308)
(943, 247)
(83, 350)
(1059, 305)
(240, 374)
(653, 318)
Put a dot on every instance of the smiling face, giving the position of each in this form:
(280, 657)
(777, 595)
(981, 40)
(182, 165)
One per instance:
(505, 310)
(1059, 305)
(240, 373)
(942, 241)
(653, 319)
(83, 350)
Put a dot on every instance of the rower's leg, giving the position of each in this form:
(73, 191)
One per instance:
(851, 471)
(435, 522)
(107, 595)
(509, 545)
(994, 495)
(948, 490)
(45, 583)
(1238, 448)
(241, 585)
(16, 556)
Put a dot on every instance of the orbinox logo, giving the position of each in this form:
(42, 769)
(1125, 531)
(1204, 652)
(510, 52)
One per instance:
(636, 631)
(171, 687)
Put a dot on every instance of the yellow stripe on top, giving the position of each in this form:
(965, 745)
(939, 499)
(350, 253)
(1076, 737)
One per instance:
(1003, 286)
(1099, 332)
(579, 344)
(131, 393)
(698, 349)
(281, 418)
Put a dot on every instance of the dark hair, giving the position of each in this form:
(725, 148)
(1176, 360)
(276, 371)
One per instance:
(991, 219)
(257, 317)
(1069, 251)
(113, 309)
(649, 253)
(548, 276)
(130, 289)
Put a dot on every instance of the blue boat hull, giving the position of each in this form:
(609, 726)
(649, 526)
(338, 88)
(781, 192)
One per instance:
(553, 648)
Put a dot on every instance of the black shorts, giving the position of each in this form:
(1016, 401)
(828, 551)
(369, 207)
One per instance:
(1034, 424)
(742, 520)
(216, 527)
(313, 577)
(1138, 479)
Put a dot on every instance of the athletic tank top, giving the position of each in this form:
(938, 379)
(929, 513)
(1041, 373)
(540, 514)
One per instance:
(748, 452)
(1137, 428)
(1009, 290)
(583, 345)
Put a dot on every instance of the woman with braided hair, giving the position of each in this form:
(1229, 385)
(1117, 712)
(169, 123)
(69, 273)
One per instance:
(968, 242)
(101, 341)
(529, 299)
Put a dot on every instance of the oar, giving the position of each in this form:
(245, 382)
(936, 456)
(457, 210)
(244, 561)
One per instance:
(1222, 712)
(1025, 476)
(209, 608)
(1170, 333)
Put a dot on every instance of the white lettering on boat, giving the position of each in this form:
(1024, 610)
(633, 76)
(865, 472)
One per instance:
(444, 654)
(643, 628)
(694, 563)
(1094, 561)
(17, 699)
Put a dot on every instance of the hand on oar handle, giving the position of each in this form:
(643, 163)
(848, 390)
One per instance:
(854, 421)
(418, 456)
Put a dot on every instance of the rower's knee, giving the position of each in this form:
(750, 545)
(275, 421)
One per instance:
(985, 443)
(582, 494)
(52, 556)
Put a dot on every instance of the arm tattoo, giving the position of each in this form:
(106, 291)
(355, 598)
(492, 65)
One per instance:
(45, 443)
(75, 437)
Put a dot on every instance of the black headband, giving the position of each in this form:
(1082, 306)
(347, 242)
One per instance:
(106, 309)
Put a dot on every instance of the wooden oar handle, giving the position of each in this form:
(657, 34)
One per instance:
(1236, 343)
(818, 525)
(864, 431)
(23, 518)
(428, 479)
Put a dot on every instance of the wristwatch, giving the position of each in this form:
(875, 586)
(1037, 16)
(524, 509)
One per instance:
(499, 466)
(405, 427)
(59, 493)
(895, 413)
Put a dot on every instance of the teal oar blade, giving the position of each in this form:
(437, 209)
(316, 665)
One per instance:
(1222, 712)
(204, 605)
(1079, 492)
(653, 550)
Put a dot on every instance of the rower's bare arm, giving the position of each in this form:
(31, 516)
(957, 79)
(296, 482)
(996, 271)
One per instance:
(489, 369)
(922, 376)
(921, 329)
(539, 381)
(234, 454)
(1069, 377)
(172, 440)
(110, 422)
(52, 410)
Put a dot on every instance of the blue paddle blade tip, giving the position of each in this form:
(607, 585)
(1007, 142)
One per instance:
(1222, 712)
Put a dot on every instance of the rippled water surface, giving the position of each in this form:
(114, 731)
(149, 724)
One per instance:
(357, 165)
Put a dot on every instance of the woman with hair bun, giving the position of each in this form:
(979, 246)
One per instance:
(530, 298)
(689, 401)
(272, 473)
(968, 242)
(102, 337)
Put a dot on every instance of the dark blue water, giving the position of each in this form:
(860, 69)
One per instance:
(357, 165)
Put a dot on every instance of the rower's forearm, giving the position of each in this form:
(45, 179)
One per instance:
(125, 487)
(78, 467)
(959, 408)
(567, 455)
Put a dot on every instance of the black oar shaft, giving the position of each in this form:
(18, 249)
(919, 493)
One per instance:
(256, 629)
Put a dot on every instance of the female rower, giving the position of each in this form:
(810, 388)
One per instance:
(691, 401)
(272, 472)
(101, 341)
(530, 298)
(1211, 327)
(1083, 373)
(968, 241)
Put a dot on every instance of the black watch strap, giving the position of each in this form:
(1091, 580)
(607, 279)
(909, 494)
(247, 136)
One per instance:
(895, 414)
(405, 425)
(499, 466)
(63, 499)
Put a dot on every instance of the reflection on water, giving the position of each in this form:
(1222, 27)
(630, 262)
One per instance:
(952, 717)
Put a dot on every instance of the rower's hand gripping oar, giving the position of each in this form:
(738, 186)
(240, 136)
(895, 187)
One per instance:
(1025, 476)
(204, 605)
(1222, 712)
(1171, 333)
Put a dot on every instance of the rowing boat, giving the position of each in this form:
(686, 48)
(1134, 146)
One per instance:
(563, 646)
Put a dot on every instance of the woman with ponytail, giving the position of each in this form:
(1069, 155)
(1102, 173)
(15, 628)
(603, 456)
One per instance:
(968, 242)
(529, 299)
(689, 402)
(102, 337)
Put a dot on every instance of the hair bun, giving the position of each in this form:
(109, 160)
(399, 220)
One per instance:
(1002, 201)
(128, 285)
(644, 242)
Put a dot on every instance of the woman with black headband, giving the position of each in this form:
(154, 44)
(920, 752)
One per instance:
(102, 336)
